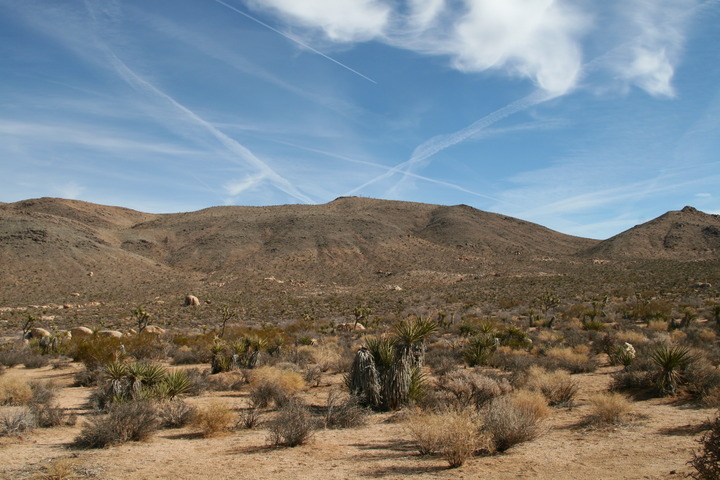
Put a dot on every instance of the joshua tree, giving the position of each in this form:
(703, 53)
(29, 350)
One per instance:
(142, 317)
(227, 314)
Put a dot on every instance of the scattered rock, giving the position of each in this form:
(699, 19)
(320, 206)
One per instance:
(191, 301)
(110, 333)
(80, 332)
(37, 333)
(153, 330)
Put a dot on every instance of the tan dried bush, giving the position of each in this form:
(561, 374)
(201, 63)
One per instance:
(126, 421)
(293, 425)
(14, 391)
(575, 360)
(558, 386)
(290, 381)
(609, 408)
(513, 419)
(213, 419)
(455, 435)
(632, 337)
(472, 388)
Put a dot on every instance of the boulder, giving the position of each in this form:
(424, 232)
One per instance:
(37, 333)
(153, 330)
(80, 332)
(110, 333)
(191, 301)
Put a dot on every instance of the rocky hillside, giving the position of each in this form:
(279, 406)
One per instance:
(686, 234)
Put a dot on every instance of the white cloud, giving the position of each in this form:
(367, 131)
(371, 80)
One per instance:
(537, 39)
(340, 20)
(657, 35)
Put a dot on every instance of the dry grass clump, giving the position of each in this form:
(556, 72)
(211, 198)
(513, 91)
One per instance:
(134, 421)
(274, 385)
(175, 413)
(472, 388)
(609, 408)
(558, 387)
(63, 468)
(16, 420)
(214, 419)
(575, 359)
(344, 412)
(455, 435)
(292, 425)
(14, 391)
(513, 419)
(632, 337)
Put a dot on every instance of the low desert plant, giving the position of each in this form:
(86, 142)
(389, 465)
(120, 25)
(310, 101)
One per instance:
(453, 434)
(574, 360)
(249, 418)
(16, 420)
(609, 408)
(125, 421)
(480, 349)
(48, 416)
(63, 468)
(174, 413)
(511, 420)
(213, 419)
(558, 386)
(706, 461)
(472, 388)
(671, 360)
(14, 391)
(292, 425)
(344, 412)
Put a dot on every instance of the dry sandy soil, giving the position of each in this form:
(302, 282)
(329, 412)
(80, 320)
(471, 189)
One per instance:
(656, 444)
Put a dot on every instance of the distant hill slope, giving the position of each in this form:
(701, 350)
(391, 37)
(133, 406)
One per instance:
(686, 234)
(51, 246)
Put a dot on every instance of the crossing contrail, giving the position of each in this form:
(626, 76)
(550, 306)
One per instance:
(293, 39)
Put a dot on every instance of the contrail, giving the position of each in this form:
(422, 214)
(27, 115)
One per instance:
(293, 39)
(232, 145)
(440, 142)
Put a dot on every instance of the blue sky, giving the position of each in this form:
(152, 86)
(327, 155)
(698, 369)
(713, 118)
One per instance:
(586, 117)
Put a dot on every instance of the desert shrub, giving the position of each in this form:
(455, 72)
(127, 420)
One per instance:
(453, 434)
(35, 360)
(2, 370)
(14, 391)
(292, 425)
(701, 377)
(227, 381)
(95, 351)
(213, 419)
(243, 352)
(472, 388)
(512, 360)
(185, 355)
(443, 357)
(313, 375)
(631, 336)
(89, 377)
(274, 385)
(64, 468)
(575, 360)
(344, 412)
(608, 408)
(16, 420)
(510, 420)
(145, 347)
(174, 413)
(199, 381)
(558, 387)
(622, 354)
(712, 398)
(42, 393)
(249, 418)
(706, 461)
(128, 421)
(48, 416)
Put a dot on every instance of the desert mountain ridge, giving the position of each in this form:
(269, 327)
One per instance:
(47, 244)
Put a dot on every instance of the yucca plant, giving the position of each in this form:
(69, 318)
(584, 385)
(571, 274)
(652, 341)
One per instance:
(672, 362)
(363, 380)
(411, 337)
(479, 349)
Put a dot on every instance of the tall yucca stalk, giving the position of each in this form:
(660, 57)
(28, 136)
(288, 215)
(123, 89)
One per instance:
(363, 380)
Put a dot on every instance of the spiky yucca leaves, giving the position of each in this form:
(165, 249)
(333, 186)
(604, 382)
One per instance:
(140, 381)
(671, 361)
(479, 349)
(363, 380)
(242, 353)
(396, 384)
(412, 336)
